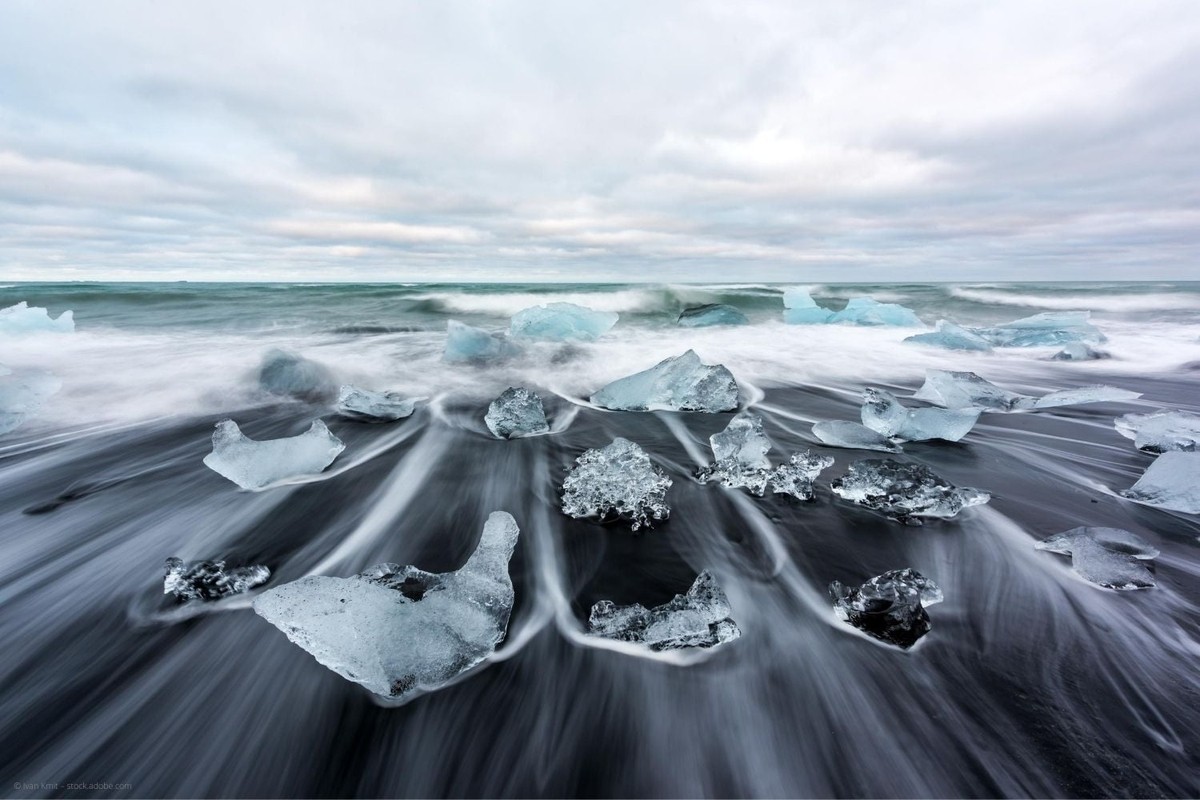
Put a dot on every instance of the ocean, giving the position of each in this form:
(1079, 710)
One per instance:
(1032, 682)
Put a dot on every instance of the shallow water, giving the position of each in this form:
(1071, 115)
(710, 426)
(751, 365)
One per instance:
(1032, 682)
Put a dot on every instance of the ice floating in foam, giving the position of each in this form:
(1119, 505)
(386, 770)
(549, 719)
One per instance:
(961, 390)
(1171, 482)
(681, 383)
(210, 580)
(291, 375)
(700, 618)
(22, 395)
(363, 405)
(866, 311)
(562, 322)
(23, 319)
(852, 436)
(740, 453)
(801, 309)
(400, 631)
(904, 492)
(1079, 351)
(890, 607)
(1108, 557)
(616, 482)
(516, 412)
(952, 337)
(882, 412)
(1045, 330)
(1161, 431)
(465, 344)
(254, 465)
(711, 314)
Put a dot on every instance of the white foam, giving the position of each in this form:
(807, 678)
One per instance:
(1080, 302)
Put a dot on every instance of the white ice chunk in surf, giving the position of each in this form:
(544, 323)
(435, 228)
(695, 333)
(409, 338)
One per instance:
(561, 322)
(1078, 397)
(400, 631)
(1107, 557)
(254, 465)
(851, 435)
(1044, 330)
(801, 309)
(681, 383)
(952, 337)
(465, 343)
(616, 482)
(1161, 431)
(867, 311)
(904, 492)
(968, 390)
(22, 394)
(515, 413)
(882, 412)
(24, 319)
(1171, 482)
(367, 406)
(1078, 351)
(700, 618)
(291, 375)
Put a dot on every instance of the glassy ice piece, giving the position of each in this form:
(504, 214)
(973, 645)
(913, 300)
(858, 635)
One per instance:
(711, 314)
(801, 309)
(1078, 351)
(1045, 330)
(1171, 482)
(882, 412)
(740, 453)
(965, 390)
(1076, 397)
(681, 383)
(210, 580)
(1107, 557)
(465, 343)
(400, 631)
(865, 311)
(797, 476)
(562, 322)
(1161, 431)
(22, 319)
(515, 413)
(255, 465)
(904, 492)
(700, 618)
(798, 297)
(616, 482)
(889, 607)
(291, 375)
(22, 394)
(952, 337)
(366, 406)
(851, 435)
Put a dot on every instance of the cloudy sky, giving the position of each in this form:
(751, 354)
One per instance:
(599, 140)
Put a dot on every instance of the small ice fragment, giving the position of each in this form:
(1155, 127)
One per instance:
(22, 319)
(865, 311)
(1078, 351)
(904, 492)
(1107, 557)
(22, 394)
(851, 435)
(711, 314)
(889, 607)
(397, 630)
(562, 322)
(366, 406)
(210, 580)
(616, 482)
(740, 454)
(700, 618)
(516, 412)
(797, 476)
(1044, 330)
(1076, 397)
(1171, 482)
(801, 309)
(882, 412)
(255, 465)
(291, 375)
(1161, 431)
(952, 337)
(964, 390)
(681, 383)
(468, 344)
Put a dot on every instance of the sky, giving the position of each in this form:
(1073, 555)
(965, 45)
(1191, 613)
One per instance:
(590, 141)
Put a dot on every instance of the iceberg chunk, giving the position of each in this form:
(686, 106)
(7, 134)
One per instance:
(968, 390)
(801, 309)
(882, 412)
(700, 618)
(889, 607)
(290, 375)
(1045, 330)
(1161, 431)
(1078, 351)
(865, 311)
(22, 394)
(681, 383)
(210, 580)
(1171, 482)
(852, 436)
(952, 337)
(1077, 397)
(740, 452)
(711, 314)
(562, 322)
(468, 344)
(255, 465)
(400, 631)
(616, 482)
(1108, 557)
(797, 476)
(22, 319)
(366, 406)
(904, 492)
(516, 412)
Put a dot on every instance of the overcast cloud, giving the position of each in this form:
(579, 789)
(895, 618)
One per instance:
(599, 140)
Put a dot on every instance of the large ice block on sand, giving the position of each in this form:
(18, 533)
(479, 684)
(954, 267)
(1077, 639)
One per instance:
(561, 322)
(681, 383)
(889, 607)
(711, 314)
(1108, 557)
(616, 482)
(255, 465)
(397, 630)
(952, 337)
(801, 309)
(852, 436)
(210, 580)
(1044, 330)
(22, 394)
(465, 344)
(516, 412)
(700, 618)
(23, 319)
(865, 311)
(1171, 482)
(290, 375)
(367, 406)
(1161, 431)
(882, 412)
(904, 492)
(968, 390)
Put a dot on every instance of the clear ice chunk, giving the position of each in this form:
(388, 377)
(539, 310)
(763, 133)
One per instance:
(210, 580)
(516, 412)
(255, 465)
(561, 322)
(700, 618)
(801, 309)
(1108, 557)
(1171, 482)
(681, 383)
(904, 492)
(1161, 431)
(740, 454)
(1045, 330)
(889, 607)
(952, 337)
(852, 436)
(367, 406)
(1079, 351)
(400, 631)
(1077, 397)
(882, 412)
(465, 343)
(23, 319)
(797, 476)
(866, 311)
(616, 482)
(22, 394)
(711, 314)
(290, 375)
(968, 390)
